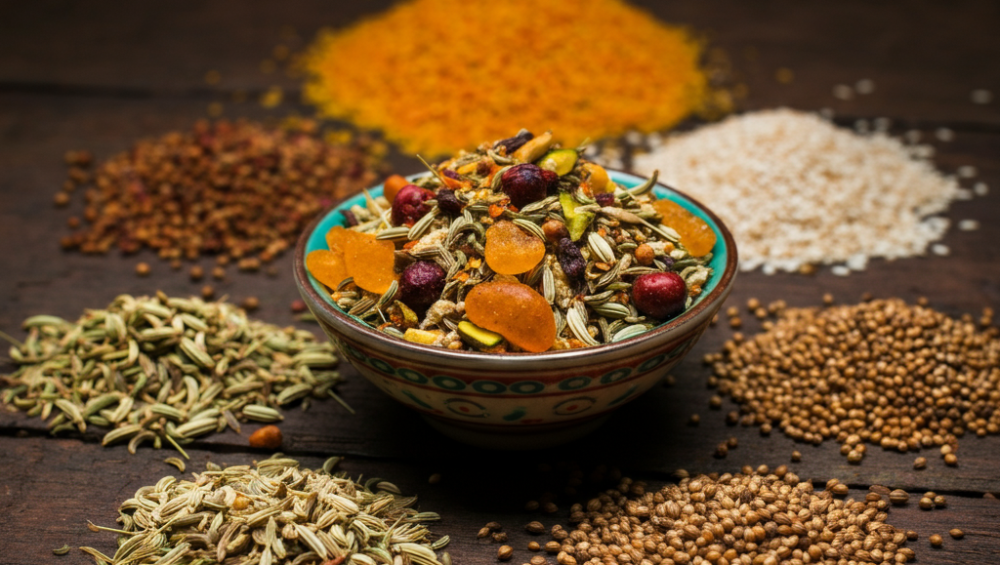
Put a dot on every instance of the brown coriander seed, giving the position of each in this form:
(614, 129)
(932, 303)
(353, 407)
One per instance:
(251, 303)
(733, 442)
(827, 299)
(920, 463)
(537, 559)
(550, 508)
(494, 526)
(694, 420)
(796, 456)
(499, 537)
(505, 552)
(483, 533)
(434, 479)
(534, 546)
(218, 273)
(721, 450)
(926, 503)
(531, 505)
(715, 402)
(840, 489)
(196, 273)
(854, 457)
(535, 527)
(552, 547)
(912, 535)
(61, 199)
(951, 460)
(143, 269)
(899, 497)
(732, 312)
(207, 291)
(956, 533)
(176, 264)
(936, 540)
(940, 501)
(735, 322)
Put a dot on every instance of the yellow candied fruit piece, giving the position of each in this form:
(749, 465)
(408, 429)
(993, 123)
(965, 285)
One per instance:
(515, 311)
(510, 250)
(696, 235)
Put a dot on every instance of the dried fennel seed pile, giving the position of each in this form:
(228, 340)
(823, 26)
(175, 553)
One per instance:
(796, 190)
(271, 513)
(905, 377)
(755, 517)
(164, 368)
(241, 190)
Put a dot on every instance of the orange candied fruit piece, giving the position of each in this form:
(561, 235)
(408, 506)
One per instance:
(327, 266)
(370, 261)
(696, 235)
(510, 250)
(515, 311)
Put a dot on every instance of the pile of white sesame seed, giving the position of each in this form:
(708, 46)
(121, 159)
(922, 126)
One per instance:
(797, 191)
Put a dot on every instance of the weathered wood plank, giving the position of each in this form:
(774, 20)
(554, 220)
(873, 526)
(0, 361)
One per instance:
(49, 489)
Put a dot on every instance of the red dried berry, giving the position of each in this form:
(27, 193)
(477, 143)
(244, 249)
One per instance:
(660, 295)
(408, 205)
(448, 202)
(421, 284)
(527, 183)
(605, 198)
(570, 259)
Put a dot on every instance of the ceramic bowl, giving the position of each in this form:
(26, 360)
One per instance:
(517, 400)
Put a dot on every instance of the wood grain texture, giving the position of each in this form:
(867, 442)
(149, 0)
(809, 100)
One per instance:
(99, 76)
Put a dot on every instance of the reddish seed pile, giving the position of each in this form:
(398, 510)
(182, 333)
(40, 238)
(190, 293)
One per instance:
(238, 189)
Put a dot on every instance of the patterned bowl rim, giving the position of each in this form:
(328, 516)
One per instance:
(689, 321)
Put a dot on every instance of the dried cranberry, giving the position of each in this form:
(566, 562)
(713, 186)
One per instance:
(660, 295)
(570, 259)
(448, 202)
(512, 144)
(421, 284)
(526, 183)
(605, 198)
(408, 205)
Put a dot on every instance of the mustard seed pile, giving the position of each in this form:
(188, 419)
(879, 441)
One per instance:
(756, 516)
(241, 190)
(796, 190)
(904, 377)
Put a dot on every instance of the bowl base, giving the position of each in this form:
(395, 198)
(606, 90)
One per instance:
(516, 441)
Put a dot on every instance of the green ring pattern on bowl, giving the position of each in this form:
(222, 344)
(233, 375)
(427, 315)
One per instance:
(317, 240)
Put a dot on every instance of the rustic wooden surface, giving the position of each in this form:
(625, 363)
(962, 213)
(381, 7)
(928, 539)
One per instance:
(99, 76)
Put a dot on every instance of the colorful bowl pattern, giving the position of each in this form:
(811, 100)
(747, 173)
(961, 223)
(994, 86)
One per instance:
(517, 399)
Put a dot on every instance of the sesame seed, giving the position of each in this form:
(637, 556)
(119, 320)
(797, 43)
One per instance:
(865, 86)
(843, 92)
(981, 96)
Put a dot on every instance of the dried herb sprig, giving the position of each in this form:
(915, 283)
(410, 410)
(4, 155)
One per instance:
(163, 368)
(272, 512)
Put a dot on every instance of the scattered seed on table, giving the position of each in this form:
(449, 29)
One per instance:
(694, 420)
(534, 546)
(218, 273)
(956, 533)
(920, 463)
(143, 269)
(207, 291)
(434, 479)
(926, 503)
(899, 497)
(840, 489)
(951, 460)
(796, 456)
(499, 537)
(940, 501)
(250, 303)
(196, 273)
(936, 540)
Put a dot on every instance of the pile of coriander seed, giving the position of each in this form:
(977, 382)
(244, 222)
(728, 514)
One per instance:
(903, 377)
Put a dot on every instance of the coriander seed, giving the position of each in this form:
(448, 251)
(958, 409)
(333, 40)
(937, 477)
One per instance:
(505, 552)
(920, 463)
(143, 270)
(940, 501)
(535, 527)
(218, 273)
(936, 540)
(196, 273)
(840, 489)
(951, 460)
(796, 456)
(956, 533)
(534, 546)
(926, 503)
(899, 497)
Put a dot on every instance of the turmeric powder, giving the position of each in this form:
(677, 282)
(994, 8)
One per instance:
(440, 75)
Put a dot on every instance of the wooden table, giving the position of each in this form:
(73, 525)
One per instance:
(100, 75)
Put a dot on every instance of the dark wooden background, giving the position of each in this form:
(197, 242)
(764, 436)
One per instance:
(98, 76)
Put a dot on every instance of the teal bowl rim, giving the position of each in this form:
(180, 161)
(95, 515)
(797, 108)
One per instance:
(723, 264)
